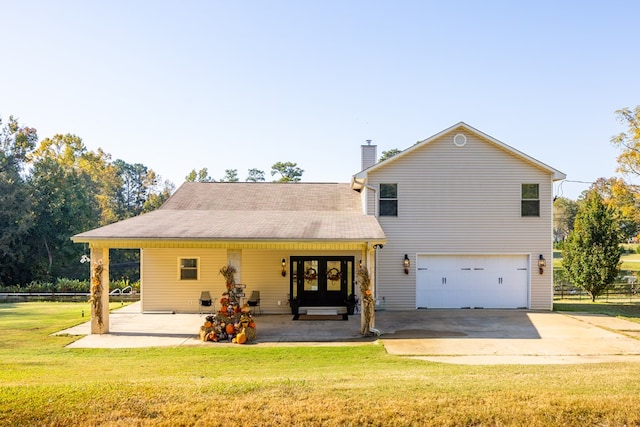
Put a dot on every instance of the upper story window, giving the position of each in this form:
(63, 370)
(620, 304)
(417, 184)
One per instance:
(188, 268)
(530, 200)
(388, 200)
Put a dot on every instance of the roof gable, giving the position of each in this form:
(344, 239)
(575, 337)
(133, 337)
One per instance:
(360, 177)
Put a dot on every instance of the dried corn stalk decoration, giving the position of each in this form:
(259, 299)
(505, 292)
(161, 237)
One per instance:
(368, 303)
(228, 272)
(96, 292)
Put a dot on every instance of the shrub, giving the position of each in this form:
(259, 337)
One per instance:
(72, 286)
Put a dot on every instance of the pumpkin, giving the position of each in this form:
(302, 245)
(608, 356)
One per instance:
(252, 324)
(207, 324)
(230, 329)
(241, 338)
(223, 309)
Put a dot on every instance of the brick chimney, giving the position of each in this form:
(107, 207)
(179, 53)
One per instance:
(369, 155)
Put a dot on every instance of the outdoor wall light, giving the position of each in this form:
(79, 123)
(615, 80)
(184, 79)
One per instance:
(406, 263)
(542, 263)
(284, 267)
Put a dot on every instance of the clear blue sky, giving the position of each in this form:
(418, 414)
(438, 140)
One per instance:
(182, 85)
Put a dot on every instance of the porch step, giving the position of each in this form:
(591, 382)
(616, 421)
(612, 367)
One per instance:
(322, 312)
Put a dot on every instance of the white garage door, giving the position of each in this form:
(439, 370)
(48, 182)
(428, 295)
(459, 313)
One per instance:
(472, 281)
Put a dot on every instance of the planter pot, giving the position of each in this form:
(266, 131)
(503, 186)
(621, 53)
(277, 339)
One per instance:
(295, 306)
(351, 308)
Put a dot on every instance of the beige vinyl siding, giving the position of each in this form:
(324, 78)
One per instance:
(163, 290)
(462, 200)
(260, 270)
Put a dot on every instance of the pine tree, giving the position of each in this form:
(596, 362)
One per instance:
(592, 251)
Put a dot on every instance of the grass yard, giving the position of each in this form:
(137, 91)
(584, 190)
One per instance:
(43, 383)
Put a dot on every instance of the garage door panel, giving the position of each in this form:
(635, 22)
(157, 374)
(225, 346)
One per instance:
(489, 281)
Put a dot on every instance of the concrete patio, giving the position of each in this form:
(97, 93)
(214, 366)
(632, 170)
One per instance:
(450, 336)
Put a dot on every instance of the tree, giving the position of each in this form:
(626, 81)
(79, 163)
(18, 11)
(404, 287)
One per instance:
(623, 199)
(592, 251)
(16, 212)
(138, 182)
(64, 204)
(230, 175)
(200, 176)
(628, 142)
(564, 214)
(255, 175)
(289, 172)
(158, 196)
(389, 153)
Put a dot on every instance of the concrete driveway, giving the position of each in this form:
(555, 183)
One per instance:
(449, 336)
(510, 337)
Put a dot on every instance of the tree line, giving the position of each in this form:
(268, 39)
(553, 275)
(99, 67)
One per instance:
(54, 188)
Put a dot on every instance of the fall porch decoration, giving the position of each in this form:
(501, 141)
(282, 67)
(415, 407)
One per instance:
(96, 292)
(230, 326)
(228, 272)
(233, 322)
(368, 302)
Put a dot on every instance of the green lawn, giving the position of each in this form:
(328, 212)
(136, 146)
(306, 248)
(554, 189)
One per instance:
(43, 383)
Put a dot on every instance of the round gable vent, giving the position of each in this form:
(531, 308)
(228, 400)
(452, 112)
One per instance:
(459, 140)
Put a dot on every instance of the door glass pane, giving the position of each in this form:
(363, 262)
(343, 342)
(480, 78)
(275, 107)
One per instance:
(311, 275)
(349, 276)
(334, 275)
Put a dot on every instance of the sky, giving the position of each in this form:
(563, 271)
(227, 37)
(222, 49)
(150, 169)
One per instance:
(183, 85)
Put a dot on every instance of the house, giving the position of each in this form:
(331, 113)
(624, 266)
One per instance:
(457, 220)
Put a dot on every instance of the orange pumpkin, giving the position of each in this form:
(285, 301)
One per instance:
(252, 324)
(230, 329)
(207, 324)
(223, 309)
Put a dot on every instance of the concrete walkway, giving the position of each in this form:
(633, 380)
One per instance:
(449, 336)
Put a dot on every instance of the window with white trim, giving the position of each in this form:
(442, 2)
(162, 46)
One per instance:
(388, 200)
(189, 268)
(530, 200)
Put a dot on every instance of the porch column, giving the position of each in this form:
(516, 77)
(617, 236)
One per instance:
(374, 285)
(99, 290)
(370, 264)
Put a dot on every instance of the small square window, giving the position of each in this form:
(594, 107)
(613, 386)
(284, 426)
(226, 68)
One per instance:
(388, 200)
(530, 203)
(188, 268)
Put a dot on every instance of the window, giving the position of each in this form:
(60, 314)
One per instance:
(388, 200)
(188, 268)
(530, 200)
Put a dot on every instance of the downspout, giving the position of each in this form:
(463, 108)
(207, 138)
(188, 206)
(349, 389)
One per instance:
(374, 278)
(375, 199)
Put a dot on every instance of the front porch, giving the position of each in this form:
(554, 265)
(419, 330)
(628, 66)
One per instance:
(129, 328)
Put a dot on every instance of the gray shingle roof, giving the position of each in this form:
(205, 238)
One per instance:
(251, 211)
